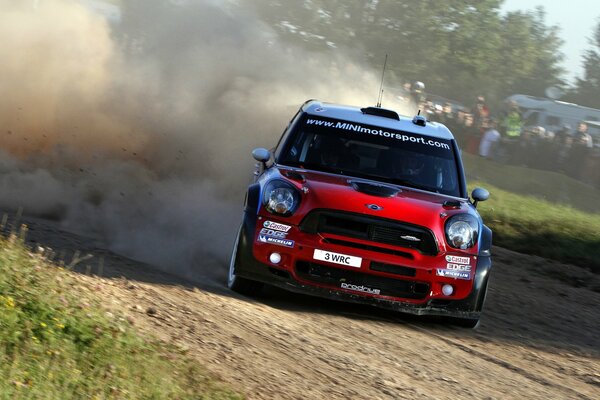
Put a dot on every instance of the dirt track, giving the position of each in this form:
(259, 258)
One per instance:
(538, 338)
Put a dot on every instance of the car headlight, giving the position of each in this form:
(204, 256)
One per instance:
(462, 231)
(281, 198)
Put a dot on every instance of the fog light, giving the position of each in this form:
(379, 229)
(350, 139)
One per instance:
(275, 258)
(447, 290)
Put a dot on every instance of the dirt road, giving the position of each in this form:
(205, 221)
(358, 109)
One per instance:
(539, 336)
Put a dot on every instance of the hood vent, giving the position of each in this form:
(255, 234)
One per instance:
(373, 189)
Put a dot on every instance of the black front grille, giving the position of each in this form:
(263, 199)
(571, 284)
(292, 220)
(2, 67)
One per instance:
(393, 269)
(372, 229)
(369, 247)
(332, 276)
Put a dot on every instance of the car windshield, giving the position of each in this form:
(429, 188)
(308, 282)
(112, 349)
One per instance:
(371, 152)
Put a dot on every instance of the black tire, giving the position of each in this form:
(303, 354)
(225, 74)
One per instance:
(237, 283)
(471, 323)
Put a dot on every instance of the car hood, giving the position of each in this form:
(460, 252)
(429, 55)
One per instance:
(362, 196)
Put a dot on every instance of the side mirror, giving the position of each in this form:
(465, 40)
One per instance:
(479, 194)
(262, 155)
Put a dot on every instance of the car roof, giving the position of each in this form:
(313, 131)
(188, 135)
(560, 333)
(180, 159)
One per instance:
(355, 114)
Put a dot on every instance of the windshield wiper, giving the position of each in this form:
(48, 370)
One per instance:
(415, 185)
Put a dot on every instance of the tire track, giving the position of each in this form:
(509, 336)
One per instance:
(502, 363)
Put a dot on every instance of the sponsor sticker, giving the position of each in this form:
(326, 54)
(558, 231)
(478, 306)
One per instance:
(337, 258)
(271, 232)
(458, 267)
(276, 240)
(276, 226)
(360, 288)
(448, 273)
(458, 260)
(442, 145)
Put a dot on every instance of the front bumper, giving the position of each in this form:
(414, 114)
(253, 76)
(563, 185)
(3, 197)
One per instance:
(419, 294)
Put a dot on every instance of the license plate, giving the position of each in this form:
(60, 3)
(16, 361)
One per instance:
(337, 258)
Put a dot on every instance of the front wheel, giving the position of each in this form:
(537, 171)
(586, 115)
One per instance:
(471, 323)
(237, 283)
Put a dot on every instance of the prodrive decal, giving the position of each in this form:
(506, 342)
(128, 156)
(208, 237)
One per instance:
(360, 288)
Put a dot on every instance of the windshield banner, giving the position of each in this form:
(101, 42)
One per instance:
(378, 132)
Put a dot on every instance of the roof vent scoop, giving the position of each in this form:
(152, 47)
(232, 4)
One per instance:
(381, 112)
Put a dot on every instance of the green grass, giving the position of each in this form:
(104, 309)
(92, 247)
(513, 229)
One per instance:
(57, 342)
(553, 187)
(539, 212)
(529, 225)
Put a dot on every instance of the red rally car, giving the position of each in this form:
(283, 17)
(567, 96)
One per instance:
(364, 205)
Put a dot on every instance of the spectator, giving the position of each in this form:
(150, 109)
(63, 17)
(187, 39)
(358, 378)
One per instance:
(417, 94)
(546, 151)
(512, 125)
(512, 122)
(580, 152)
(562, 146)
(481, 112)
(489, 140)
(582, 137)
(471, 134)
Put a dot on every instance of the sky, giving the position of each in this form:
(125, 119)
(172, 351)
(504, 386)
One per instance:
(576, 19)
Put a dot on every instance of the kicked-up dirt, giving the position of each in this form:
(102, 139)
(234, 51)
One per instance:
(539, 336)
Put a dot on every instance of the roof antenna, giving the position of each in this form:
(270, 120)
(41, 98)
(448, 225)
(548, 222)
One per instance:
(381, 86)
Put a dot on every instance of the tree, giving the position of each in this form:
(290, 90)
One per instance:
(531, 50)
(459, 48)
(587, 88)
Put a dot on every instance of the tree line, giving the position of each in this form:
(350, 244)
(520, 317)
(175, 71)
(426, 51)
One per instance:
(460, 48)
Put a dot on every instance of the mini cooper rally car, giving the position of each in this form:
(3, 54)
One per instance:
(364, 205)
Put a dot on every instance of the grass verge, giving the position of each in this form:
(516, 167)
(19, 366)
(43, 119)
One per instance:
(552, 187)
(57, 342)
(529, 225)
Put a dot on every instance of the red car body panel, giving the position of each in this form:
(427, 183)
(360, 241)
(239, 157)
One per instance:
(412, 206)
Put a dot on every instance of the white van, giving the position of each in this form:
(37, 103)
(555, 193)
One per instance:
(554, 114)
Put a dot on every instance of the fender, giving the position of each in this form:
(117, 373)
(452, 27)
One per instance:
(252, 198)
(485, 244)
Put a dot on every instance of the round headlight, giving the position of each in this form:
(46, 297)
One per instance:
(280, 198)
(462, 231)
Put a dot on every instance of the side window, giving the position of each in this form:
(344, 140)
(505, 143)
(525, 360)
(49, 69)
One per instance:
(299, 147)
(532, 119)
(286, 133)
(552, 120)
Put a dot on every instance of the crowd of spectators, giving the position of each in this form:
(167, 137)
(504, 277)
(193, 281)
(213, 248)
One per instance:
(503, 137)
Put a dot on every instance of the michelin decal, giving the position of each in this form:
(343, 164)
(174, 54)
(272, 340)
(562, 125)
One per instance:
(448, 273)
(275, 240)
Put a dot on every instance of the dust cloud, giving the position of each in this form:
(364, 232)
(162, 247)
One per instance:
(139, 131)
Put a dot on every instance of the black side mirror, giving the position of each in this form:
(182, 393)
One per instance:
(262, 155)
(479, 194)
